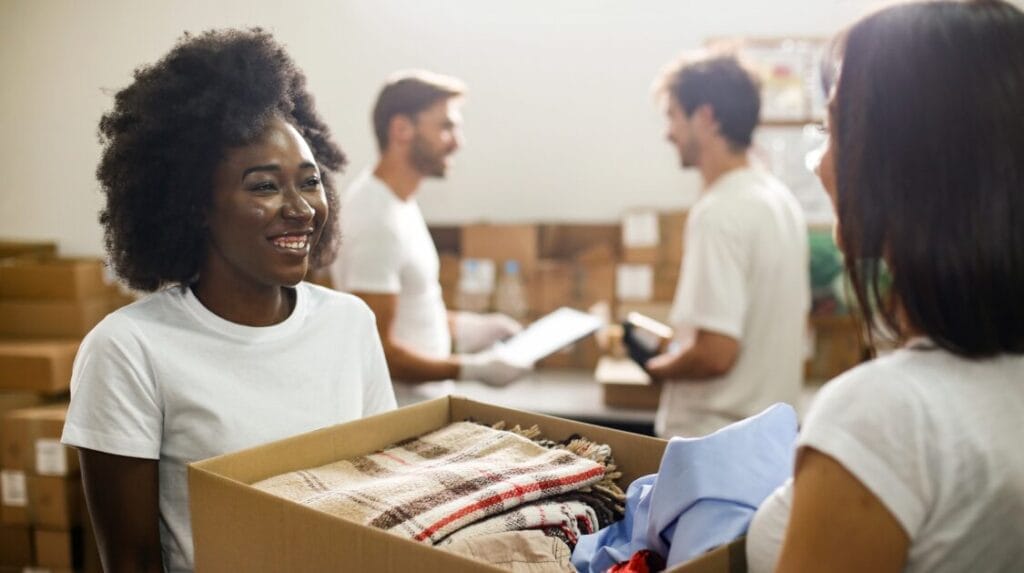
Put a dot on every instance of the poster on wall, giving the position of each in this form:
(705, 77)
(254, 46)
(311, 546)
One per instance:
(792, 153)
(790, 68)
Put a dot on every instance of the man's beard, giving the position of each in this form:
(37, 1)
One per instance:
(426, 160)
(689, 155)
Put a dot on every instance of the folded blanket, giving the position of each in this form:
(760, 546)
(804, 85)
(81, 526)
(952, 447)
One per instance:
(517, 551)
(429, 487)
(566, 520)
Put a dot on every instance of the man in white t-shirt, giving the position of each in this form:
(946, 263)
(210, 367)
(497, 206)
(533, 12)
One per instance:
(387, 256)
(741, 305)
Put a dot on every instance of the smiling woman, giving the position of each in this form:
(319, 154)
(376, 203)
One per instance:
(268, 210)
(216, 170)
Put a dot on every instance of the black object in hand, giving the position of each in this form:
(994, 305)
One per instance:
(637, 349)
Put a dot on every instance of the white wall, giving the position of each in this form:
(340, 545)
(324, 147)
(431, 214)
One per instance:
(559, 123)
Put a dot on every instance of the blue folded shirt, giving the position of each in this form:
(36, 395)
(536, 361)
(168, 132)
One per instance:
(704, 494)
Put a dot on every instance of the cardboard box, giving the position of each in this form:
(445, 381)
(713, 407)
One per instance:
(54, 319)
(52, 279)
(15, 545)
(27, 249)
(449, 278)
(14, 499)
(447, 238)
(659, 311)
(640, 237)
(634, 283)
(572, 241)
(625, 385)
(640, 255)
(55, 502)
(502, 243)
(58, 548)
(666, 280)
(597, 254)
(552, 286)
(15, 401)
(596, 283)
(837, 346)
(238, 528)
(587, 353)
(39, 366)
(672, 226)
(564, 358)
(31, 442)
(582, 355)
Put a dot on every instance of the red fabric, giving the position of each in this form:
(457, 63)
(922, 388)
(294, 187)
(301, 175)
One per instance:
(643, 561)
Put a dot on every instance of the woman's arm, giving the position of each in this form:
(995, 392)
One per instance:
(122, 494)
(837, 524)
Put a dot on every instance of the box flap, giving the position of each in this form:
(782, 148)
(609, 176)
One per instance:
(328, 444)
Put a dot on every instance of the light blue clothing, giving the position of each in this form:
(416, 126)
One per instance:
(704, 494)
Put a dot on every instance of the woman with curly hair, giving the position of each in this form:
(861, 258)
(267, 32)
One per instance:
(216, 170)
(913, 461)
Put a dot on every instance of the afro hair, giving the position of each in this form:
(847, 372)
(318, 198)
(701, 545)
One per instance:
(169, 130)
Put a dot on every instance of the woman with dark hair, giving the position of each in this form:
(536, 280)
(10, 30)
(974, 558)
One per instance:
(914, 461)
(216, 170)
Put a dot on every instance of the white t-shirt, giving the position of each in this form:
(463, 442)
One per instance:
(165, 378)
(745, 275)
(387, 249)
(937, 439)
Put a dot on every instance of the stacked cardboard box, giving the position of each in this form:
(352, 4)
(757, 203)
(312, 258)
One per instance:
(16, 547)
(11, 249)
(652, 253)
(835, 346)
(574, 265)
(46, 305)
(53, 298)
(41, 489)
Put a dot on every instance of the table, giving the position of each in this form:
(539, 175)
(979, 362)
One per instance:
(571, 394)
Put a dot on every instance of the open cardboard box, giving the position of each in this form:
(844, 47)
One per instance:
(239, 528)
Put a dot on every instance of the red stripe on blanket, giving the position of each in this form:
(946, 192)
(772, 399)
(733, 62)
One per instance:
(393, 457)
(517, 492)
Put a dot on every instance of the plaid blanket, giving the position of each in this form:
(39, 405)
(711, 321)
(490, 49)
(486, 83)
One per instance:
(564, 519)
(429, 487)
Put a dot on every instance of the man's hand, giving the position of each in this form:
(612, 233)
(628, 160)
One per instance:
(475, 332)
(659, 367)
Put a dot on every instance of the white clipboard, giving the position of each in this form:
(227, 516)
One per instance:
(548, 335)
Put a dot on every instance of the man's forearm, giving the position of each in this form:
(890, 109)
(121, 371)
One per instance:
(688, 365)
(409, 365)
(711, 355)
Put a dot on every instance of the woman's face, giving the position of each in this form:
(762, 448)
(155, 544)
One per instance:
(826, 167)
(268, 210)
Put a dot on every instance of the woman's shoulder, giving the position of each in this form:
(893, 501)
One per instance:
(326, 300)
(127, 324)
(919, 387)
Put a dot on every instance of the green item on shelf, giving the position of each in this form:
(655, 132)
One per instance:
(826, 260)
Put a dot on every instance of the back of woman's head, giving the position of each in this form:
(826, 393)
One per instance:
(169, 130)
(929, 122)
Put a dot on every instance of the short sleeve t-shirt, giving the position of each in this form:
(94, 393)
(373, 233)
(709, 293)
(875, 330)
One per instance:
(937, 438)
(386, 248)
(745, 275)
(166, 379)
